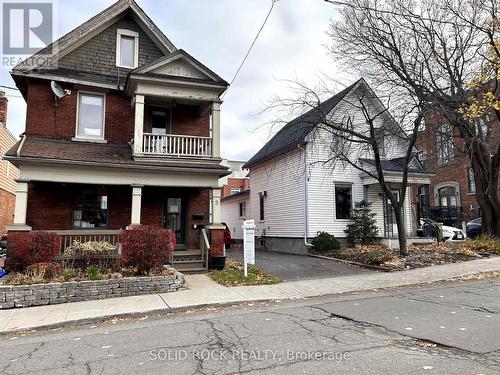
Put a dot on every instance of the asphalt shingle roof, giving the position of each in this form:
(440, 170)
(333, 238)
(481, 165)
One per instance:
(112, 154)
(295, 132)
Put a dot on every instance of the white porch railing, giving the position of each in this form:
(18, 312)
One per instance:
(176, 145)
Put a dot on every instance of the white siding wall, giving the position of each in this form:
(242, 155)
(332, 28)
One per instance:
(283, 180)
(230, 211)
(8, 172)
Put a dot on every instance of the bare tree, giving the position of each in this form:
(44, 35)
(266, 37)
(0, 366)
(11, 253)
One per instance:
(360, 133)
(443, 54)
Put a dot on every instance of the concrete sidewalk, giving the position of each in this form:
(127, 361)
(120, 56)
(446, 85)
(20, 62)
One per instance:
(202, 291)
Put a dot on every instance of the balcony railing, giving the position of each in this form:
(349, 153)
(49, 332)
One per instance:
(177, 145)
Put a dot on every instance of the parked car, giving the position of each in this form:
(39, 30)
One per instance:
(429, 227)
(473, 228)
(227, 236)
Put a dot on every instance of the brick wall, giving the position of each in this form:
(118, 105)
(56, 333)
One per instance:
(51, 205)
(45, 120)
(189, 120)
(3, 107)
(198, 205)
(7, 204)
(235, 183)
(454, 171)
(216, 242)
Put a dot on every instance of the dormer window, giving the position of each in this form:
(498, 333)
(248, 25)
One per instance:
(127, 49)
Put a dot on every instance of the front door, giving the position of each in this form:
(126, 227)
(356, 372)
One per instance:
(175, 218)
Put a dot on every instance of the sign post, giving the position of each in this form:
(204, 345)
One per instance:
(248, 244)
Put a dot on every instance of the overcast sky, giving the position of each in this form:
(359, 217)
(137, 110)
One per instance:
(218, 33)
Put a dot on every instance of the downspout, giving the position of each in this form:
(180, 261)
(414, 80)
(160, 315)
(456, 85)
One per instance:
(306, 197)
(20, 147)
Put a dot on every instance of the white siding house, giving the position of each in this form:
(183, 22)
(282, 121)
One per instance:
(296, 208)
(234, 210)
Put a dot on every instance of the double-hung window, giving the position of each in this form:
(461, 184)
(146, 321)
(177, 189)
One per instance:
(471, 181)
(90, 116)
(261, 207)
(444, 144)
(243, 209)
(127, 49)
(343, 201)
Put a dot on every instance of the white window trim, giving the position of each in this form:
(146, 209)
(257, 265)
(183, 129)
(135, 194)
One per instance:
(133, 34)
(88, 138)
(342, 184)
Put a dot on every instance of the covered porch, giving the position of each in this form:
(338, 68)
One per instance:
(99, 203)
(383, 206)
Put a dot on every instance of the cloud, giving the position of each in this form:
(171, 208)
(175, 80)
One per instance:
(218, 33)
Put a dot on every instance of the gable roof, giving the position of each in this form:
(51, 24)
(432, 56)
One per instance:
(295, 132)
(180, 54)
(92, 27)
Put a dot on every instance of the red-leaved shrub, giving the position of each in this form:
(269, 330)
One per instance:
(31, 248)
(146, 247)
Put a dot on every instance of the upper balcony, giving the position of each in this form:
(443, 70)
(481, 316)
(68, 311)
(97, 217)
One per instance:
(179, 130)
(177, 145)
(177, 108)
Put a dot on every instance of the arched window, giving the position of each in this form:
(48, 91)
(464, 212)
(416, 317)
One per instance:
(448, 196)
(444, 144)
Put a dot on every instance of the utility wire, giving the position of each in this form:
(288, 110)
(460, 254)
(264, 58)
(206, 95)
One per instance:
(9, 87)
(273, 2)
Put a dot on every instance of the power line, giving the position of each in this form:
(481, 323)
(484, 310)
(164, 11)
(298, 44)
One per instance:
(273, 2)
(9, 87)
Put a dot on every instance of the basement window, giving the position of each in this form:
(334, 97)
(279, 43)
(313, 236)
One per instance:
(127, 49)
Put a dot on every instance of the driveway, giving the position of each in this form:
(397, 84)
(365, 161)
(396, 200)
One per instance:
(294, 267)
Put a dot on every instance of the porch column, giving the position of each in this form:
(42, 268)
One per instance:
(21, 207)
(139, 124)
(216, 209)
(216, 130)
(215, 227)
(136, 205)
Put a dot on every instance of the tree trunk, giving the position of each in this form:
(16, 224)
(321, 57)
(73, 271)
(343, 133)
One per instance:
(486, 178)
(398, 213)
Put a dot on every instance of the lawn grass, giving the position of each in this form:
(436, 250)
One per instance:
(232, 275)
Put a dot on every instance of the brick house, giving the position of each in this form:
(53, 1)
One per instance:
(8, 173)
(238, 181)
(451, 196)
(135, 139)
(235, 202)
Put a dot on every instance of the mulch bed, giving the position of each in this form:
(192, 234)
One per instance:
(423, 255)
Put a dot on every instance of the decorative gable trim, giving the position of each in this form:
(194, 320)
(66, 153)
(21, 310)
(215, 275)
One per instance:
(86, 31)
(181, 64)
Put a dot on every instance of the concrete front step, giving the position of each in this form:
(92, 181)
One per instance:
(186, 253)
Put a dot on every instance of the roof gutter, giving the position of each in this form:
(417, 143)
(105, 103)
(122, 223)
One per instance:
(220, 172)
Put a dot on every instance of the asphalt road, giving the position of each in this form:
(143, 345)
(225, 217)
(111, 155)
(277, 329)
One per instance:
(342, 335)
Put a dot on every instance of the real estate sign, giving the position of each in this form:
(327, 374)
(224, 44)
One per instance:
(248, 244)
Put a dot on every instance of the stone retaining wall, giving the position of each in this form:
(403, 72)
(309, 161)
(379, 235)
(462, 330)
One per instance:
(18, 296)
